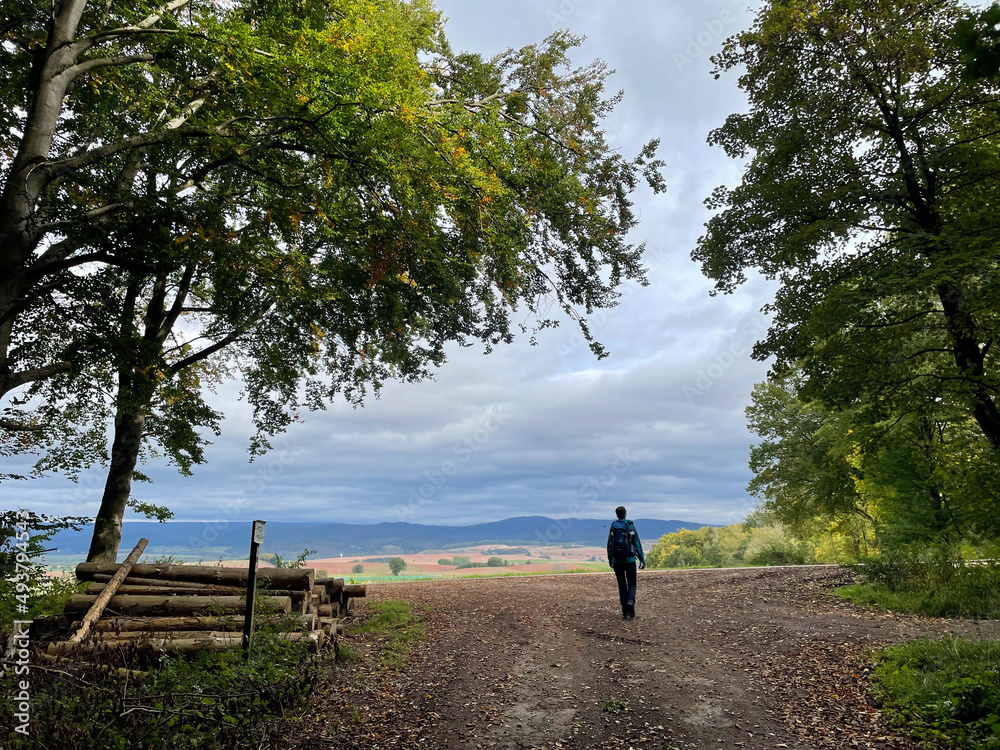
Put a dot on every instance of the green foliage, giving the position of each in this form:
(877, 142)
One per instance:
(334, 189)
(945, 691)
(395, 621)
(931, 582)
(495, 562)
(346, 653)
(298, 562)
(397, 565)
(217, 701)
(778, 555)
(446, 561)
(978, 36)
(359, 568)
(386, 617)
(919, 479)
(23, 579)
(757, 543)
(461, 561)
(614, 706)
(167, 560)
(159, 513)
(875, 213)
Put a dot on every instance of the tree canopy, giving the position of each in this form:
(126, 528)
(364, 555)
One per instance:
(316, 196)
(869, 194)
(926, 476)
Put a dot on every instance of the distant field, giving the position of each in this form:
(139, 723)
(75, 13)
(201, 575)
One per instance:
(422, 565)
(541, 560)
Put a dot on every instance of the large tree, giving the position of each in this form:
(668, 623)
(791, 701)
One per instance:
(870, 193)
(923, 475)
(323, 190)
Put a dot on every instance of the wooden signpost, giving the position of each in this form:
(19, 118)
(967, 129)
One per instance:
(255, 541)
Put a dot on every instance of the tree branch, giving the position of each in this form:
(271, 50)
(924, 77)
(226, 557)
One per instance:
(231, 337)
(17, 379)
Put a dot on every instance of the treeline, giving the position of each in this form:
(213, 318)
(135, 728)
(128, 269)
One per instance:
(913, 484)
(760, 540)
(461, 561)
(875, 212)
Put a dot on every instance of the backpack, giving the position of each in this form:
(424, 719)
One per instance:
(621, 540)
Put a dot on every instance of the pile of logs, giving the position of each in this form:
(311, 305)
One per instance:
(189, 608)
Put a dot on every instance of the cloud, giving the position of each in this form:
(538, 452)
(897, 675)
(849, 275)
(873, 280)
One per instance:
(658, 425)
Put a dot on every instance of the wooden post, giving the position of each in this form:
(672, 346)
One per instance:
(255, 541)
(109, 591)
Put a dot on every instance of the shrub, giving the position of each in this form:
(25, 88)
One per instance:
(215, 700)
(298, 562)
(445, 561)
(22, 579)
(933, 583)
(495, 562)
(778, 555)
(946, 690)
(359, 568)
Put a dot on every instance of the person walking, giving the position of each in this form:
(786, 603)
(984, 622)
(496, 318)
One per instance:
(624, 549)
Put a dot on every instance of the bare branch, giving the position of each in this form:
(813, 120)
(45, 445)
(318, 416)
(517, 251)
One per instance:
(6, 424)
(17, 379)
(106, 62)
(222, 343)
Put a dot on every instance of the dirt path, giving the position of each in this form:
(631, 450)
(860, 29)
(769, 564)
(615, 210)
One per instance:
(749, 658)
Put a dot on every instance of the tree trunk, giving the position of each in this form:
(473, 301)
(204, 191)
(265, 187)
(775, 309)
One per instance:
(157, 590)
(296, 579)
(207, 642)
(136, 581)
(163, 624)
(333, 586)
(172, 605)
(108, 591)
(971, 361)
(124, 454)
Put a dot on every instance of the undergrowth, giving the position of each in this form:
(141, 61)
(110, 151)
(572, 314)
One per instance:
(204, 701)
(936, 585)
(946, 692)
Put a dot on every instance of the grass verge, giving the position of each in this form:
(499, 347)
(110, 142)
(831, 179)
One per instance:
(394, 621)
(937, 590)
(945, 692)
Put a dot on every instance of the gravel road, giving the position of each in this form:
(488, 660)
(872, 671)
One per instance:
(742, 658)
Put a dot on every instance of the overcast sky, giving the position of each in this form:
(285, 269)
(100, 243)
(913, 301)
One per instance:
(658, 426)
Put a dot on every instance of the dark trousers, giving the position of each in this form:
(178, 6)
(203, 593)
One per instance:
(625, 573)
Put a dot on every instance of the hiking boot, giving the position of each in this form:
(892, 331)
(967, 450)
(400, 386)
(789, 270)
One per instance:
(631, 610)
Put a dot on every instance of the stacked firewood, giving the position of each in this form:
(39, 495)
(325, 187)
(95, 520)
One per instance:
(189, 608)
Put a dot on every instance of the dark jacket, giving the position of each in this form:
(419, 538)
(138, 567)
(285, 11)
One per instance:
(636, 544)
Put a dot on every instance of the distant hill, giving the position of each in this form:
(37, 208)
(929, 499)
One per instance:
(333, 539)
